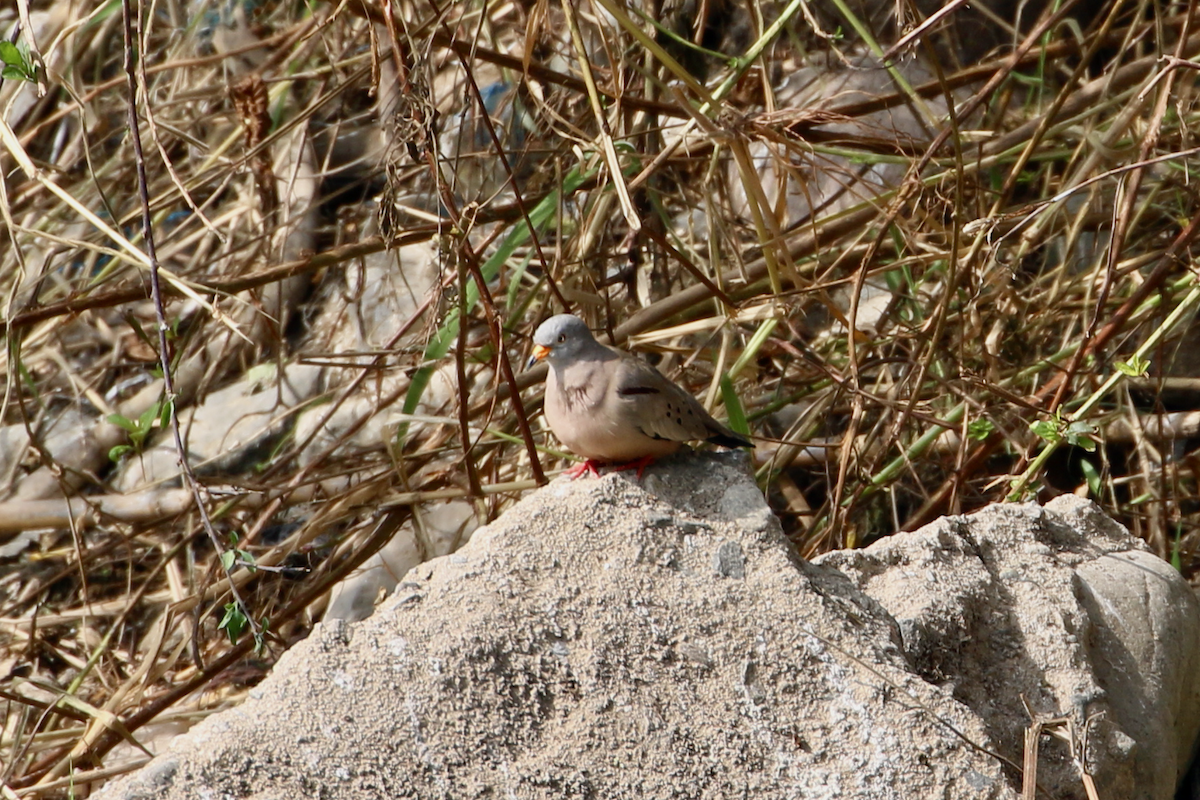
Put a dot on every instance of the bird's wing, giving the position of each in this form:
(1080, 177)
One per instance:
(643, 399)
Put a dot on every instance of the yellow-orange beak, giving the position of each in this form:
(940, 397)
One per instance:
(539, 352)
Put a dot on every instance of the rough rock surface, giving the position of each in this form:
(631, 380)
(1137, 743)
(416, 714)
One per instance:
(1058, 608)
(605, 639)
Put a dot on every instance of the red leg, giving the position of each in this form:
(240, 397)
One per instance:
(587, 466)
(640, 465)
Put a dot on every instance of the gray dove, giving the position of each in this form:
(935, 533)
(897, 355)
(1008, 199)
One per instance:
(612, 407)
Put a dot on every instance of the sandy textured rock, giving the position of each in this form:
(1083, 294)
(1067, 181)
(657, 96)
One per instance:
(1061, 608)
(601, 639)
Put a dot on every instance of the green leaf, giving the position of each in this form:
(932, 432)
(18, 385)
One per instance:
(980, 429)
(122, 422)
(1080, 434)
(1046, 430)
(1092, 476)
(117, 453)
(9, 54)
(96, 17)
(16, 60)
(228, 559)
(27, 379)
(260, 639)
(765, 328)
(1135, 367)
(140, 332)
(733, 404)
(146, 420)
(233, 623)
(1083, 442)
(247, 559)
(164, 418)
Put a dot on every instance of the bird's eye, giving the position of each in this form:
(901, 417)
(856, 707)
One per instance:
(562, 337)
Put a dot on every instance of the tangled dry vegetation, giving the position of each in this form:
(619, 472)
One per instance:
(999, 206)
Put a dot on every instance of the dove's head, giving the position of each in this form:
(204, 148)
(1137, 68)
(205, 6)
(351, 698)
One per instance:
(561, 339)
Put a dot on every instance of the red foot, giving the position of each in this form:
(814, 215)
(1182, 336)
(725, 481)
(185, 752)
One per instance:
(587, 466)
(640, 465)
(593, 467)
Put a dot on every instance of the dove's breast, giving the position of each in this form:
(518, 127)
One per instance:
(588, 419)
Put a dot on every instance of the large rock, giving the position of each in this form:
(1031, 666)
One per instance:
(604, 639)
(1055, 611)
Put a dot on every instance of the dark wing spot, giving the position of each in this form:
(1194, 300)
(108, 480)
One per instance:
(631, 390)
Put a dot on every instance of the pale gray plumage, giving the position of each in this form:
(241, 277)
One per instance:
(611, 407)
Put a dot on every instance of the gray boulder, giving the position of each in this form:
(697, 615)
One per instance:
(607, 639)
(1056, 611)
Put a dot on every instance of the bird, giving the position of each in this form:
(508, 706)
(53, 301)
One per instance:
(613, 408)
